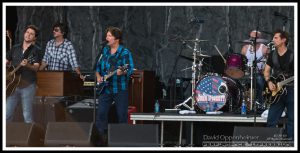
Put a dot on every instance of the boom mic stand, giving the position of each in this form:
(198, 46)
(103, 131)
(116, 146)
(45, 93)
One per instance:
(97, 59)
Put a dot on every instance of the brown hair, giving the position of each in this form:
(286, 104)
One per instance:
(116, 32)
(33, 27)
(283, 34)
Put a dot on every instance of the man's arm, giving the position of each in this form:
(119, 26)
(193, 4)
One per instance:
(270, 84)
(244, 50)
(77, 69)
(33, 67)
(267, 73)
(43, 65)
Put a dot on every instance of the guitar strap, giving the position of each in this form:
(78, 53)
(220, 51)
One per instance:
(115, 60)
(277, 68)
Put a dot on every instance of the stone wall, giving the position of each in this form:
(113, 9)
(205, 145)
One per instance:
(155, 34)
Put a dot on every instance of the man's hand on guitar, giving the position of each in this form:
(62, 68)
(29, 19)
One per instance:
(82, 77)
(271, 86)
(121, 70)
(100, 79)
(24, 62)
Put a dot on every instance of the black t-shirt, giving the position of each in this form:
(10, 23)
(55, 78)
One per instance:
(15, 55)
(286, 65)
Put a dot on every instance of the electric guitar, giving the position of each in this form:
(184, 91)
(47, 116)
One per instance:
(110, 74)
(273, 96)
(12, 78)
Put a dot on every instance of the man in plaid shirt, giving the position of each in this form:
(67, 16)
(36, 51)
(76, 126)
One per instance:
(114, 56)
(60, 53)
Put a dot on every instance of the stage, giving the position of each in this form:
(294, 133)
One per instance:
(171, 117)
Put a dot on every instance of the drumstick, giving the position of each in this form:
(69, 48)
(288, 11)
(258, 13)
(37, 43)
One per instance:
(220, 54)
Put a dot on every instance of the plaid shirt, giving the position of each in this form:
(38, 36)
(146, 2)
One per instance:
(62, 57)
(110, 62)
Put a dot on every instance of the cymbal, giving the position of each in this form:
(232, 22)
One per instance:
(257, 41)
(203, 55)
(195, 40)
(192, 59)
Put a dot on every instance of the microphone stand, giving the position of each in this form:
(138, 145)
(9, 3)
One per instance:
(97, 59)
(253, 76)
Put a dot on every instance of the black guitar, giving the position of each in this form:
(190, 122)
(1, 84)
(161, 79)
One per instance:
(104, 83)
(12, 78)
(273, 96)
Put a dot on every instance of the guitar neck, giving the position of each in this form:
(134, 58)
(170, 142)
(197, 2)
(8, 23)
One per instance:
(114, 72)
(16, 69)
(286, 81)
(110, 74)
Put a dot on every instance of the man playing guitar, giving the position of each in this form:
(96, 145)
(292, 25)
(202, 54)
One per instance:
(281, 62)
(24, 57)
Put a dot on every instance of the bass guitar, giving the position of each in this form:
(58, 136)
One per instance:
(274, 96)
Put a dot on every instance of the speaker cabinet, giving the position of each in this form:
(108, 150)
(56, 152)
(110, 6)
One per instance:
(133, 135)
(77, 134)
(256, 136)
(24, 134)
(142, 87)
(45, 109)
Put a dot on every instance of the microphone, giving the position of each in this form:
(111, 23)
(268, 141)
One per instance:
(271, 43)
(197, 20)
(104, 42)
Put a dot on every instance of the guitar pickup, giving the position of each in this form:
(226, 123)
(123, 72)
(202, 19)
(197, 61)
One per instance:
(88, 83)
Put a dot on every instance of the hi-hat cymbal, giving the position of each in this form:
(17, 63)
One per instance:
(195, 40)
(190, 58)
(257, 41)
(203, 55)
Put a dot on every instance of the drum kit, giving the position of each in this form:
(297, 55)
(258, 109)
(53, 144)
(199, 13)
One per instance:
(212, 92)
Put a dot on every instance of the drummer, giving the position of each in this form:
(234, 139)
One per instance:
(261, 54)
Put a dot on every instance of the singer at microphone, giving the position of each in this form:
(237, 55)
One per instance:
(113, 72)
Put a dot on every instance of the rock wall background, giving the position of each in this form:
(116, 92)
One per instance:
(154, 34)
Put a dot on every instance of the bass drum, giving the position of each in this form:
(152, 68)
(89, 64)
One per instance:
(216, 93)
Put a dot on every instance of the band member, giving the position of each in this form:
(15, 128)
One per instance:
(281, 62)
(60, 53)
(261, 54)
(114, 57)
(21, 85)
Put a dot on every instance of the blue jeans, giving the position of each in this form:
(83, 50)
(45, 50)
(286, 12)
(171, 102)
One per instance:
(105, 101)
(26, 96)
(276, 110)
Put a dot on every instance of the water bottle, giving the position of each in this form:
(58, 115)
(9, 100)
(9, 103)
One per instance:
(208, 107)
(215, 107)
(243, 108)
(156, 107)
